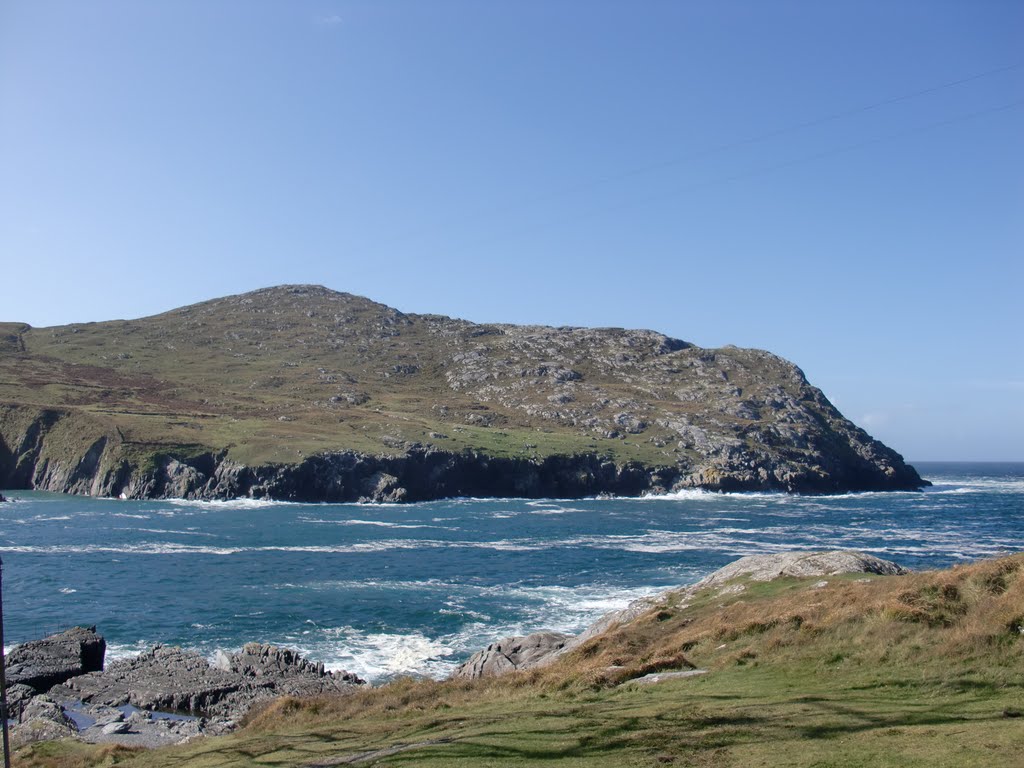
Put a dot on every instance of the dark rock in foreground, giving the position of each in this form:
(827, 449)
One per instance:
(64, 673)
(174, 680)
(42, 664)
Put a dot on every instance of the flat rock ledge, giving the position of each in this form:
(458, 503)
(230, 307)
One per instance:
(517, 653)
(61, 688)
(660, 677)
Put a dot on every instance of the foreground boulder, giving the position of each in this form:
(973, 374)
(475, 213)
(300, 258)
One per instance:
(499, 659)
(801, 565)
(511, 653)
(175, 680)
(42, 664)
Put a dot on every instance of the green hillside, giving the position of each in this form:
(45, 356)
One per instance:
(273, 377)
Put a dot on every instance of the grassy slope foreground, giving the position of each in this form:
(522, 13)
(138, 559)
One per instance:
(181, 403)
(920, 670)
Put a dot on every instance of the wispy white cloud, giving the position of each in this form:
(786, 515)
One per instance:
(333, 20)
(874, 419)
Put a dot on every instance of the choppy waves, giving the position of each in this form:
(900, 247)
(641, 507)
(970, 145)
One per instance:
(383, 590)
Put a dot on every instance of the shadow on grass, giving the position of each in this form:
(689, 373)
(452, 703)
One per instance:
(846, 720)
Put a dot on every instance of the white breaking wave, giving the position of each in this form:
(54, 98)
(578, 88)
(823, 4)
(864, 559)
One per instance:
(378, 523)
(182, 533)
(117, 651)
(375, 656)
(700, 494)
(243, 503)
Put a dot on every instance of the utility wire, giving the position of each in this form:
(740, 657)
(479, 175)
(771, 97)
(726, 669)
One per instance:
(709, 151)
(764, 170)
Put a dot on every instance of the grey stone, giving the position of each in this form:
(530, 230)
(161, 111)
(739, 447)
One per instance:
(174, 680)
(660, 677)
(42, 664)
(511, 653)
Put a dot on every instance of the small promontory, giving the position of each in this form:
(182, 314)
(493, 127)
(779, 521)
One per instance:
(303, 393)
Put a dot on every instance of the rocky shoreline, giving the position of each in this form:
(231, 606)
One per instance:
(425, 473)
(60, 687)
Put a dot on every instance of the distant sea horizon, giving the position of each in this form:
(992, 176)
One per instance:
(387, 589)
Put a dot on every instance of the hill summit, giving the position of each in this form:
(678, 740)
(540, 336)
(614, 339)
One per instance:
(300, 392)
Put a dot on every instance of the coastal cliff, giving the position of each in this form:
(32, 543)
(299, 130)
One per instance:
(306, 394)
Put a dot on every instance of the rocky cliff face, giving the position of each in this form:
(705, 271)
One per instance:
(303, 393)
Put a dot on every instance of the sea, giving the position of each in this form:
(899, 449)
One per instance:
(385, 590)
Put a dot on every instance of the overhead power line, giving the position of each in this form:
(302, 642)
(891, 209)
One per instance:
(717, 149)
(755, 172)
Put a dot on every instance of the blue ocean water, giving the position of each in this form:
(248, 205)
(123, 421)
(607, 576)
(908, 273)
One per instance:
(389, 589)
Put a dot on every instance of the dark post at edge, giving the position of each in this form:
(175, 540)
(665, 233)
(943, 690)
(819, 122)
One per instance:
(3, 675)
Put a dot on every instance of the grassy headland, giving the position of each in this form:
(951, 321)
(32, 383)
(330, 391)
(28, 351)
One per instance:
(276, 376)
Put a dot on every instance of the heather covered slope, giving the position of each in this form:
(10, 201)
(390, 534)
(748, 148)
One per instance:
(303, 392)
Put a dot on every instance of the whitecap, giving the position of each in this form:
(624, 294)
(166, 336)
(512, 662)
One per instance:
(378, 523)
(240, 503)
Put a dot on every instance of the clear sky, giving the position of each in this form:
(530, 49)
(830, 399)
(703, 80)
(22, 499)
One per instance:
(839, 182)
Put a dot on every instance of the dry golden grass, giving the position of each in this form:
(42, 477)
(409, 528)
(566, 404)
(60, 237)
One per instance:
(953, 617)
(71, 754)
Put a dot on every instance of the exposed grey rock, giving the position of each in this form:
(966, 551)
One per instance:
(45, 708)
(117, 727)
(42, 664)
(42, 719)
(141, 728)
(660, 677)
(174, 680)
(511, 653)
(800, 565)
(19, 693)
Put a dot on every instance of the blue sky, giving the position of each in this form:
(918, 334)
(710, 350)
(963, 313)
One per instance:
(841, 183)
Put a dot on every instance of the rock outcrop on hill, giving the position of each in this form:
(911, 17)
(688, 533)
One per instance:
(303, 393)
(489, 662)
